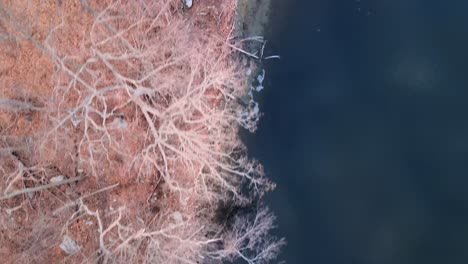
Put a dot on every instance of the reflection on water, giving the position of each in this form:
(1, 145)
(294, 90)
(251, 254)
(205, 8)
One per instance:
(416, 75)
(366, 130)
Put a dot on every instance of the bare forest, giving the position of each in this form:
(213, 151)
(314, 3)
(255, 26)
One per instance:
(119, 134)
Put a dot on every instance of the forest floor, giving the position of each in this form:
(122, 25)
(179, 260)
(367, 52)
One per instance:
(76, 216)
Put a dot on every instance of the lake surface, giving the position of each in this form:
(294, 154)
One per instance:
(365, 130)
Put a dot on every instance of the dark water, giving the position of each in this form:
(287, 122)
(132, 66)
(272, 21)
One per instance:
(366, 130)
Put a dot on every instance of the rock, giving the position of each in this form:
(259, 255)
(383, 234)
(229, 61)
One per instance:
(187, 3)
(261, 77)
(69, 245)
(57, 179)
(177, 216)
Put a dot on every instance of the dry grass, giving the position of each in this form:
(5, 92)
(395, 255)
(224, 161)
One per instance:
(145, 95)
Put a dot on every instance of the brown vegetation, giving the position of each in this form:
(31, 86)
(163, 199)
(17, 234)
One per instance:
(119, 136)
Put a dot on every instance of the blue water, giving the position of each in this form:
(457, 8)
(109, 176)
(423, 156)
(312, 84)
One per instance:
(366, 130)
